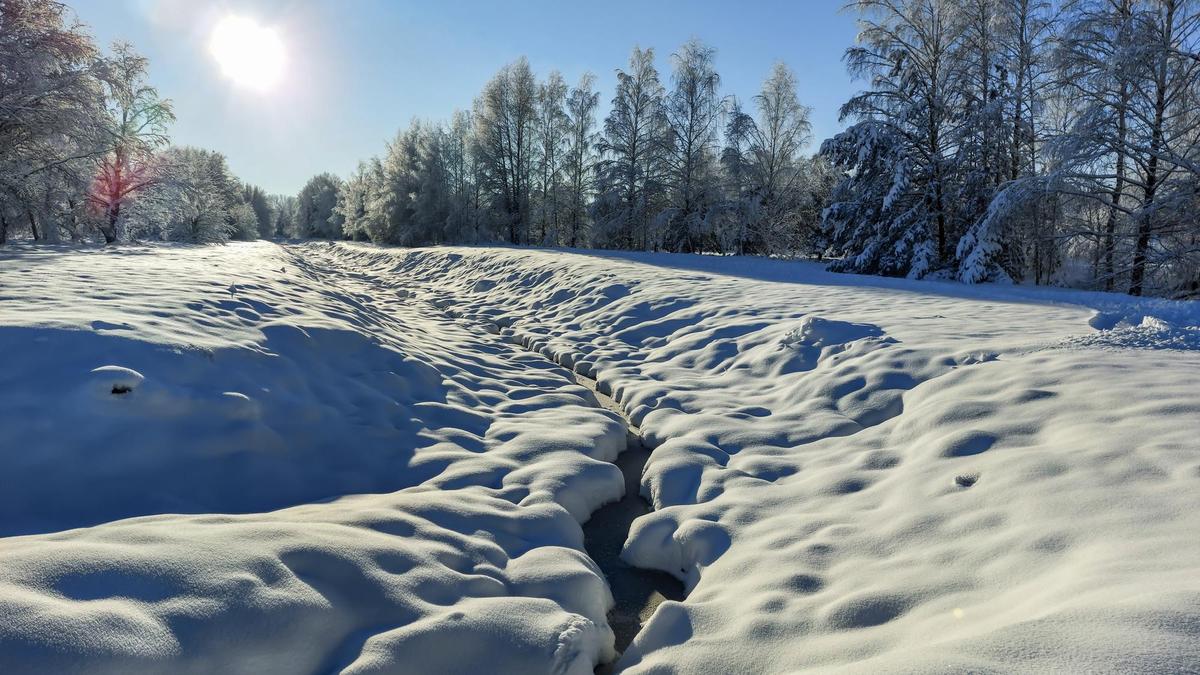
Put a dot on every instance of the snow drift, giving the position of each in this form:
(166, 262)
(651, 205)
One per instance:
(873, 474)
(329, 457)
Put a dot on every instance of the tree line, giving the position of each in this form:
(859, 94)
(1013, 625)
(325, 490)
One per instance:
(673, 167)
(995, 140)
(1038, 141)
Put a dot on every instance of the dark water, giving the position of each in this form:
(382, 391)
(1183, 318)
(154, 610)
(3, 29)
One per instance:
(637, 591)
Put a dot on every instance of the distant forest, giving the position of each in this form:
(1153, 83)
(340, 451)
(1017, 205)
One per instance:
(994, 140)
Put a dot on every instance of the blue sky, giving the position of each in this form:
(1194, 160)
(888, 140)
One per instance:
(358, 70)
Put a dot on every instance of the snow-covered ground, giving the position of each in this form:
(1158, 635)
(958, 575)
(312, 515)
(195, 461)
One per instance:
(246, 381)
(848, 473)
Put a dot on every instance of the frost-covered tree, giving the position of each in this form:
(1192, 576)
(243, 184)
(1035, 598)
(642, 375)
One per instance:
(284, 208)
(198, 197)
(462, 168)
(764, 163)
(693, 111)
(553, 129)
(135, 127)
(243, 222)
(581, 105)
(352, 203)
(505, 128)
(630, 169)
(261, 205)
(315, 216)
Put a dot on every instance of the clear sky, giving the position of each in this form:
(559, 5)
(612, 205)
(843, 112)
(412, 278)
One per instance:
(359, 70)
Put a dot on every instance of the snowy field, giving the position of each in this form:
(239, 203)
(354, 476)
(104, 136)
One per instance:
(324, 457)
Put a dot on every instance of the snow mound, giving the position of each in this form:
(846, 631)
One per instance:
(815, 331)
(1137, 331)
(114, 380)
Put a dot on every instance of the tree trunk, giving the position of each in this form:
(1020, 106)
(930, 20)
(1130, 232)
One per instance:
(33, 226)
(1110, 227)
(110, 232)
(1145, 226)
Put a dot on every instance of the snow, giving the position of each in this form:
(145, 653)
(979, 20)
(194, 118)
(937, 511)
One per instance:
(318, 457)
(877, 474)
(143, 384)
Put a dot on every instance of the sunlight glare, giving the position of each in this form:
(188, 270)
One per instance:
(250, 54)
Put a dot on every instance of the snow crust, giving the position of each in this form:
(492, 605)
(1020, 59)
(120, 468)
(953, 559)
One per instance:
(877, 475)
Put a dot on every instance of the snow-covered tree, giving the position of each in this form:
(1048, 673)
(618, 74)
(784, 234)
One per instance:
(284, 208)
(765, 167)
(243, 222)
(315, 216)
(552, 135)
(892, 213)
(629, 171)
(200, 196)
(693, 111)
(463, 176)
(581, 105)
(50, 109)
(261, 205)
(135, 127)
(505, 126)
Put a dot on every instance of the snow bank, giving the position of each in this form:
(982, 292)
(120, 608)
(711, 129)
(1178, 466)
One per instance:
(873, 474)
(259, 389)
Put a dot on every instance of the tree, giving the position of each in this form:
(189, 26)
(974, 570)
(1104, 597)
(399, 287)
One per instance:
(243, 222)
(315, 216)
(891, 213)
(285, 209)
(631, 150)
(462, 173)
(201, 196)
(505, 116)
(1129, 151)
(581, 121)
(260, 204)
(553, 128)
(764, 162)
(136, 125)
(693, 114)
(50, 102)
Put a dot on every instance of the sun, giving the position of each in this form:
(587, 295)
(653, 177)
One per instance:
(250, 54)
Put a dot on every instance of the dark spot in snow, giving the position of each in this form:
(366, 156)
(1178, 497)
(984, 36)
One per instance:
(120, 389)
(966, 480)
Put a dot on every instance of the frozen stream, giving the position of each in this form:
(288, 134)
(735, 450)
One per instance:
(637, 592)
